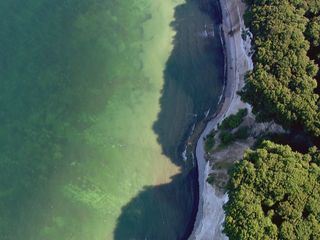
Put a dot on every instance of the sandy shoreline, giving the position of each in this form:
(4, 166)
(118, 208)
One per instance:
(210, 216)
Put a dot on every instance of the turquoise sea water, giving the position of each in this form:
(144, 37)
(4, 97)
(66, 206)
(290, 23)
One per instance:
(96, 99)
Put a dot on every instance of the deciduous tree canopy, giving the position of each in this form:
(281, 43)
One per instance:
(282, 84)
(274, 193)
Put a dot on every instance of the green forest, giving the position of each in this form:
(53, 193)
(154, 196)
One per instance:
(274, 195)
(282, 86)
(274, 191)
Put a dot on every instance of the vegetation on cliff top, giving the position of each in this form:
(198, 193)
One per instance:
(282, 85)
(274, 191)
(274, 194)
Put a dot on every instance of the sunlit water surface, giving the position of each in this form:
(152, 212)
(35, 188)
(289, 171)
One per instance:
(96, 100)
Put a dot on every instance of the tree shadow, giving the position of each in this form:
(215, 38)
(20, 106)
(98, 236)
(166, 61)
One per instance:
(193, 84)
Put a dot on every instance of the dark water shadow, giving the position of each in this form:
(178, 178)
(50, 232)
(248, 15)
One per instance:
(193, 83)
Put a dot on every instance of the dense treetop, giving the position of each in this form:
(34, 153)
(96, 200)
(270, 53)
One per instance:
(274, 193)
(282, 84)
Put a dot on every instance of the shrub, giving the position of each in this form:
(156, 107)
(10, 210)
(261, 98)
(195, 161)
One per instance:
(233, 120)
(226, 138)
(209, 141)
(242, 133)
(211, 179)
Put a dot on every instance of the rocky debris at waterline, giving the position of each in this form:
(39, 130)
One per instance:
(210, 214)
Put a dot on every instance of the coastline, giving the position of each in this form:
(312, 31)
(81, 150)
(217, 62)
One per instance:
(210, 215)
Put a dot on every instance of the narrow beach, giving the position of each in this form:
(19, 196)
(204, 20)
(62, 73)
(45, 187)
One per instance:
(210, 216)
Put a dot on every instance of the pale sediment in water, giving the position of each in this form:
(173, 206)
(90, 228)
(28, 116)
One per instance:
(104, 92)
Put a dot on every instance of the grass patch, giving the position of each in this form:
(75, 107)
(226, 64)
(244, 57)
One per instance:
(223, 165)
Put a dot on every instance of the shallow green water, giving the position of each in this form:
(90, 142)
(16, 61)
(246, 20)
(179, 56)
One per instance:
(96, 97)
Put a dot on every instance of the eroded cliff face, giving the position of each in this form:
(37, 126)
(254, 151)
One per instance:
(210, 215)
